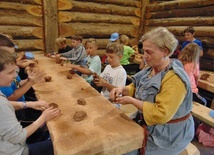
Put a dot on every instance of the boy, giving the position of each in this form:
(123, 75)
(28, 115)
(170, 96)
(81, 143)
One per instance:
(189, 33)
(62, 46)
(93, 62)
(12, 134)
(77, 54)
(114, 75)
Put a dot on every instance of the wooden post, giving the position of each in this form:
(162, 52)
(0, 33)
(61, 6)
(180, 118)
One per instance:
(144, 5)
(50, 24)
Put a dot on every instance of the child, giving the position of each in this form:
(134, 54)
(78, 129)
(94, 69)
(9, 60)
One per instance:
(93, 62)
(189, 57)
(13, 136)
(77, 54)
(62, 46)
(114, 75)
(189, 33)
(128, 51)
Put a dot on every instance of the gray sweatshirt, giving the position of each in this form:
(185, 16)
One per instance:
(76, 55)
(12, 135)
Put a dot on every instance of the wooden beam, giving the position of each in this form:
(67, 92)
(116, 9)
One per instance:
(27, 1)
(19, 19)
(179, 4)
(190, 21)
(97, 18)
(145, 4)
(98, 8)
(118, 2)
(203, 31)
(22, 32)
(97, 30)
(201, 11)
(50, 25)
(29, 44)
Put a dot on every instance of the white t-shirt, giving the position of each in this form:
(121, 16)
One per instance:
(115, 76)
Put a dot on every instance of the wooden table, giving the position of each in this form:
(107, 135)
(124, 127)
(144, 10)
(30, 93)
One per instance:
(105, 130)
(207, 84)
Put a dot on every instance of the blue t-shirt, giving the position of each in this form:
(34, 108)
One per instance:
(195, 41)
(8, 91)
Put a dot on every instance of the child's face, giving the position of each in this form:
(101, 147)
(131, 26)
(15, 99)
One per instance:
(189, 36)
(61, 46)
(91, 49)
(8, 74)
(75, 43)
(113, 59)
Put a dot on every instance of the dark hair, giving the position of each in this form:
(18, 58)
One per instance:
(5, 41)
(77, 37)
(6, 58)
(189, 29)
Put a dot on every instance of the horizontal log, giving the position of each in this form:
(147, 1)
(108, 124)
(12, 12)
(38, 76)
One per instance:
(19, 18)
(206, 64)
(203, 31)
(29, 45)
(102, 43)
(25, 1)
(194, 12)
(118, 2)
(35, 10)
(97, 30)
(22, 32)
(94, 17)
(97, 8)
(191, 21)
(179, 4)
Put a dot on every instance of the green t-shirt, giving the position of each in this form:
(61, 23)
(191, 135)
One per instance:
(128, 51)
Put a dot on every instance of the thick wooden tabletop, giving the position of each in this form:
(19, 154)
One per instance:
(105, 130)
(207, 84)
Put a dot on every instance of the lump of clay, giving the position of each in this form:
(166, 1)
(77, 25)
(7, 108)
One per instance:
(71, 71)
(81, 101)
(54, 105)
(205, 76)
(79, 115)
(47, 78)
(69, 76)
(58, 60)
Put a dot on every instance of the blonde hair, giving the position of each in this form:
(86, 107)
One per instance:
(162, 38)
(91, 41)
(60, 41)
(190, 53)
(124, 39)
(115, 48)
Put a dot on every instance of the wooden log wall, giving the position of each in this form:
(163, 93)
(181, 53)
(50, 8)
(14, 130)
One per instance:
(100, 18)
(22, 19)
(176, 15)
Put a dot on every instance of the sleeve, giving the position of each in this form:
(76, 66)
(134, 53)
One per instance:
(7, 91)
(95, 64)
(10, 128)
(166, 103)
(79, 54)
(132, 89)
(188, 69)
(67, 54)
(130, 51)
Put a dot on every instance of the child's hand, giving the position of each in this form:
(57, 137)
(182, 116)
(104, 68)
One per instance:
(36, 75)
(99, 81)
(50, 113)
(63, 58)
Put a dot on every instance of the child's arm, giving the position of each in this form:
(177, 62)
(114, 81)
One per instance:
(81, 69)
(80, 54)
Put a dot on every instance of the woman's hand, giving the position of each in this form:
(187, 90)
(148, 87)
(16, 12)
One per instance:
(116, 92)
(37, 105)
(124, 100)
(50, 113)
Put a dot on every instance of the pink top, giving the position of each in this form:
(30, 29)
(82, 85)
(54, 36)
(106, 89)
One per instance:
(193, 73)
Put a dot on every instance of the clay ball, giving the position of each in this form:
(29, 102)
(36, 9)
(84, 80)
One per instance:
(47, 78)
(69, 76)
